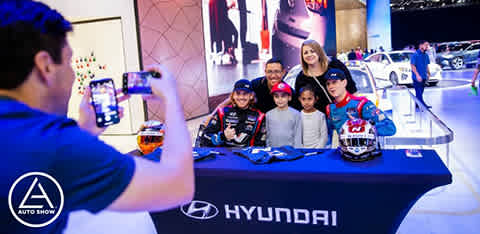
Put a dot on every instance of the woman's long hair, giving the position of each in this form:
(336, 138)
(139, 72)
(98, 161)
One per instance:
(322, 57)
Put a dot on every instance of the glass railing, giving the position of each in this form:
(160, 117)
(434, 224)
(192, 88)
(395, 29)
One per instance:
(417, 126)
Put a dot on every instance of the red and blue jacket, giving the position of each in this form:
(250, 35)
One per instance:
(358, 107)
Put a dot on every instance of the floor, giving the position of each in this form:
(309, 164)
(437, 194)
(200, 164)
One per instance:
(450, 209)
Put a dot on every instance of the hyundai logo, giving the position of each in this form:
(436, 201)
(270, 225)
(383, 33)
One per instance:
(199, 210)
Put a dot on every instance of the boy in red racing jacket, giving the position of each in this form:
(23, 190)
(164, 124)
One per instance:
(238, 125)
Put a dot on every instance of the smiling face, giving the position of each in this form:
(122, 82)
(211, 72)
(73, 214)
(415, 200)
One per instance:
(337, 88)
(274, 73)
(281, 99)
(242, 98)
(309, 55)
(307, 99)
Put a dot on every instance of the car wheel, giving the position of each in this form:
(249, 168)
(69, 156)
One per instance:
(457, 63)
(394, 78)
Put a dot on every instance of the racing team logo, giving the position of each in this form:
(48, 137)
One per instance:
(199, 210)
(35, 199)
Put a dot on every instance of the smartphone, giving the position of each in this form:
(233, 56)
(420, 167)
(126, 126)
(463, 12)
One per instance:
(104, 101)
(138, 82)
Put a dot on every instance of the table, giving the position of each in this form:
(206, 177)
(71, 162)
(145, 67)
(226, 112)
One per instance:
(315, 194)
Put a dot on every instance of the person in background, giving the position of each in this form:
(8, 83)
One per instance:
(475, 73)
(342, 57)
(315, 64)
(351, 55)
(37, 136)
(420, 72)
(358, 54)
(284, 124)
(236, 125)
(315, 133)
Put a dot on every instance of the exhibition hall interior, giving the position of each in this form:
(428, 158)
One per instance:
(424, 180)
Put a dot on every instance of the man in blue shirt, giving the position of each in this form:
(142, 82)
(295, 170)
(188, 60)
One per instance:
(420, 72)
(72, 169)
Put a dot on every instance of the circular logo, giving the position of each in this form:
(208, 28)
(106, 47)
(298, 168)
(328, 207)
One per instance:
(35, 199)
(199, 210)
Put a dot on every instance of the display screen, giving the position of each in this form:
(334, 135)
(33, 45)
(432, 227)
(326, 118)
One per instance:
(105, 102)
(240, 36)
(137, 82)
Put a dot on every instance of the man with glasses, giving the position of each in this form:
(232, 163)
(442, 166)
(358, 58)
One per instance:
(274, 73)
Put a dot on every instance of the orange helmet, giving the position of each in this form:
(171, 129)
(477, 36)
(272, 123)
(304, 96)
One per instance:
(150, 136)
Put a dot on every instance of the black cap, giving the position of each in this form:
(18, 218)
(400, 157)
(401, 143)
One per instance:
(335, 74)
(244, 85)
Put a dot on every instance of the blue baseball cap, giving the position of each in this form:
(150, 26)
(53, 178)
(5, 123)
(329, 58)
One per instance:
(335, 74)
(244, 85)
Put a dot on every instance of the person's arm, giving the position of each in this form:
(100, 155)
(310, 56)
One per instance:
(169, 183)
(428, 69)
(267, 127)
(260, 137)
(323, 130)
(212, 135)
(384, 125)
(298, 131)
(223, 104)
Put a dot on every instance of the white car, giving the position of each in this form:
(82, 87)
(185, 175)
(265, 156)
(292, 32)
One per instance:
(395, 67)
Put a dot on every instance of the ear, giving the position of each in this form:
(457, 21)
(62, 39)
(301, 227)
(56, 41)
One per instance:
(44, 64)
(289, 97)
(344, 83)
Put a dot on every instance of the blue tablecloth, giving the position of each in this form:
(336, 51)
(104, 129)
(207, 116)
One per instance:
(315, 194)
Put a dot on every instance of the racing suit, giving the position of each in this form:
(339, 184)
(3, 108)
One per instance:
(358, 107)
(248, 123)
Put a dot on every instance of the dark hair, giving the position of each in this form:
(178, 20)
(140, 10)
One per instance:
(274, 60)
(421, 42)
(307, 88)
(26, 28)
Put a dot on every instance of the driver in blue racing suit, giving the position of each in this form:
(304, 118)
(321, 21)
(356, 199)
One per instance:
(348, 106)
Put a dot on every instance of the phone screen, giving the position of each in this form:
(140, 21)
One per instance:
(137, 82)
(104, 101)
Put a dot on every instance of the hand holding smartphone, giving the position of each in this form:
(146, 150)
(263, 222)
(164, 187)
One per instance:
(138, 82)
(104, 101)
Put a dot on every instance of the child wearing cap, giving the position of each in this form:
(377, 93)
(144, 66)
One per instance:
(236, 125)
(347, 106)
(284, 124)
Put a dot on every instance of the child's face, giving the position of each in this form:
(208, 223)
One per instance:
(337, 88)
(242, 98)
(308, 99)
(281, 99)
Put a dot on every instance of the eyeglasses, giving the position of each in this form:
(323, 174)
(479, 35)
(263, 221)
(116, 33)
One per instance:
(274, 71)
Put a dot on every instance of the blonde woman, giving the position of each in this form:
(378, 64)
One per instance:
(315, 65)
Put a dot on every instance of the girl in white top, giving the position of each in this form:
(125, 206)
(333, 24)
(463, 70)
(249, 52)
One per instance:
(315, 132)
